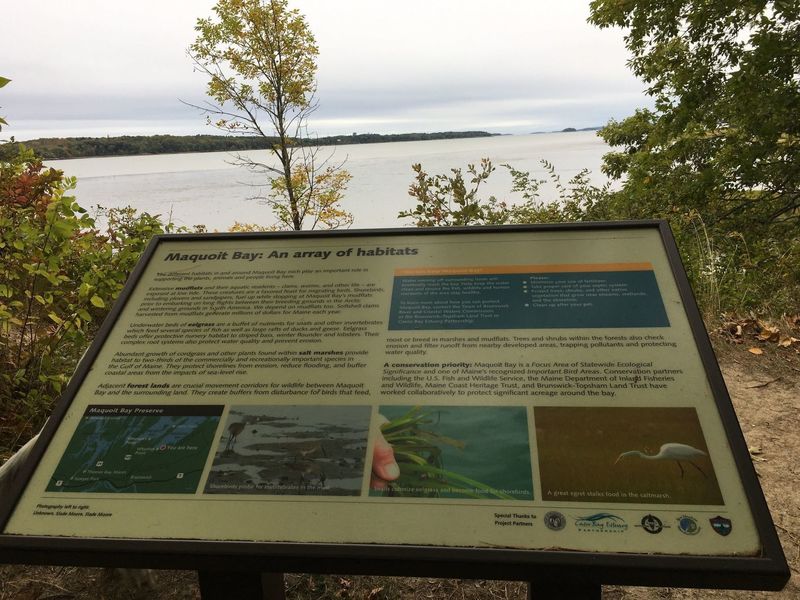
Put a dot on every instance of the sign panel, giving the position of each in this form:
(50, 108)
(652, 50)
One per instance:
(524, 388)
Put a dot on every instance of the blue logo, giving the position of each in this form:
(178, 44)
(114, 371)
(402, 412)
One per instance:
(601, 523)
(688, 525)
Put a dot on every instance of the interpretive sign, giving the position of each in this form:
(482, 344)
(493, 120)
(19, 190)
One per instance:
(502, 398)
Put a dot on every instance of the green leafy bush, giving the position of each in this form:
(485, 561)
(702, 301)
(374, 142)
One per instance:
(454, 200)
(59, 276)
(738, 265)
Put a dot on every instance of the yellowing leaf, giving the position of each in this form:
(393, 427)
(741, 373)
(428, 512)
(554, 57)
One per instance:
(97, 301)
(769, 334)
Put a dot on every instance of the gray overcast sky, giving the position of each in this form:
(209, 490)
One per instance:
(108, 67)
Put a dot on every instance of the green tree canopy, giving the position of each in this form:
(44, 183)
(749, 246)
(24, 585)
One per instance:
(725, 135)
(261, 60)
(719, 154)
(3, 82)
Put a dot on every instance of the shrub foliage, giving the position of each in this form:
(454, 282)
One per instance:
(59, 275)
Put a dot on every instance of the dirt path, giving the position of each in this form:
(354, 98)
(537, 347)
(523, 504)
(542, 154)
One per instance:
(765, 391)
(766, 395)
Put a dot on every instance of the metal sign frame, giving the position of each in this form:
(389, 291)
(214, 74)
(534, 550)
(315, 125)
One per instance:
(768, 571)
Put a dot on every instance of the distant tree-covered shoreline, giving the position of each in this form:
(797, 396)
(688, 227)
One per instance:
(87, 147)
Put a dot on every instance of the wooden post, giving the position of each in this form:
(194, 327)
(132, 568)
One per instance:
(553, 590)
(243, 585)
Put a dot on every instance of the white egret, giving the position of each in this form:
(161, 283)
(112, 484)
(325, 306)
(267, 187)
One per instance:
(670, 451)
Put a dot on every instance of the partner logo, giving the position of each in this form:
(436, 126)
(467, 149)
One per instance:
(688, 525)
(651, 524)
(601, 523)
(721, 525)
(555, 520)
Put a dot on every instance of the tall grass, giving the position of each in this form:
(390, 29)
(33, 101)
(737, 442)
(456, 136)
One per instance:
(418, 451)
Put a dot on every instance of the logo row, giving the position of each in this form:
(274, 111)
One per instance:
(609, 523)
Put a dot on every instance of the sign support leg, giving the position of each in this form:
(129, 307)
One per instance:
(246, 585)
(552, 590)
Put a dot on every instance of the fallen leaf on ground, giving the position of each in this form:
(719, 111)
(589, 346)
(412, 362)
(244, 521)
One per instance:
(755, 351)
(769, 334)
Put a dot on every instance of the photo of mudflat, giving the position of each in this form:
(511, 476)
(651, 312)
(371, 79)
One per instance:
(291, 450)
(476, 452)
(624, 454)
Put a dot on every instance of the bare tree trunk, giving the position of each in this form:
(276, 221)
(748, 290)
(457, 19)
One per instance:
(11, 468)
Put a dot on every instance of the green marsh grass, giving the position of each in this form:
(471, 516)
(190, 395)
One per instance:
(418, 451)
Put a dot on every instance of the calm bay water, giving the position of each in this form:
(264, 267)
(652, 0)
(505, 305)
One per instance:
(205, 189)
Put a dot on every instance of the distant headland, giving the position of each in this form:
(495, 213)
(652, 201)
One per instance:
(569, 130)
(88, 147)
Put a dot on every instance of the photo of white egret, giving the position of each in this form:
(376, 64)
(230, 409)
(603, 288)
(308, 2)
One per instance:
(291, 450)
(624, 454)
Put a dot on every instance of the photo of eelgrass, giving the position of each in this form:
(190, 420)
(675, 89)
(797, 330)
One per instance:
(459, 452)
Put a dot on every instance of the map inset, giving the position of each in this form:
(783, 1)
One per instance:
(138, 449)
(291, 450)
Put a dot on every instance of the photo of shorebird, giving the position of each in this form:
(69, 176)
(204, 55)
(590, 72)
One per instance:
(680, 453)
(636, 455)
(291, 450)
